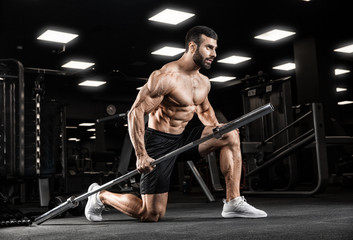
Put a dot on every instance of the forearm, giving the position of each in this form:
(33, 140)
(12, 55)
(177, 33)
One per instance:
(136, 126)
(208, 117)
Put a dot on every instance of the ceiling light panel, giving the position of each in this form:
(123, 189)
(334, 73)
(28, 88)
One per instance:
(171, 16)
(56, 36)
(87, 124)
(234, 59)
(339, 71)
(341, 89)
(285, 67)
(222, 79)
(77, 65)
(346, 49)
(274, 35)
(74, 139)
(168, 51)
(92, 83)
(345, 102)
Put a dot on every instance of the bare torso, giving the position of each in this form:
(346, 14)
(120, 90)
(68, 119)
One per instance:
(171, 97)
(185, 95)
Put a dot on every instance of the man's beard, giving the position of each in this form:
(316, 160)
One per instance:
(200, 60)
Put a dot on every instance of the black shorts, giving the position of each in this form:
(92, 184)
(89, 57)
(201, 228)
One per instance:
(157, 145)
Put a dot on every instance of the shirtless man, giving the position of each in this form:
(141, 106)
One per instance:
(171, 97)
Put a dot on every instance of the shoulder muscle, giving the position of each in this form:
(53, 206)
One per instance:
(159, 83)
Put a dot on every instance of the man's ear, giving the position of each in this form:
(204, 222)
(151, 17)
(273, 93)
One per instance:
(192, 47)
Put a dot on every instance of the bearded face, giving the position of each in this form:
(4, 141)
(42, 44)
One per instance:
(201, 61)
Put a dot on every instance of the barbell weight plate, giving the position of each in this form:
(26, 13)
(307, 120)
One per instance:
(56, 201)
(79, 210)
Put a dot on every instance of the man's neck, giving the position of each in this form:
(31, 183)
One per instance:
(187, 63)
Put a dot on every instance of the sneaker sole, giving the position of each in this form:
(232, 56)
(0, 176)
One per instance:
(90, 188)
(234, 215)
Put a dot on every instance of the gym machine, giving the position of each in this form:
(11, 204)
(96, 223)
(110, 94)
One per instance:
(25, 158)
(285, 152)
(12, 132)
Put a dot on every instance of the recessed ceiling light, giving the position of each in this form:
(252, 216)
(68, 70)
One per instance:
(77, 65)
(56, 36)
(92, 137)
(139, 88)
(91, 130)
(346, 49)
(341, 89)
(170, 16)
(345, 102)
(274, 35)
(222, 79)
(92, 83)
(285, 67)
(71, 127)
(86, 124)
(168, 51)
(339, 71)
(74, 139)
(234, 59)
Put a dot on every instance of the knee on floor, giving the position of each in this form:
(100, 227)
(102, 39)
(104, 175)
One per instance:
(152, 216)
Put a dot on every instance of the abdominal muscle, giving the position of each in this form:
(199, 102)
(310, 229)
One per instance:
(171, 120)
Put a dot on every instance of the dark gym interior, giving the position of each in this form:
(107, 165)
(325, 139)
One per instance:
(297, 160)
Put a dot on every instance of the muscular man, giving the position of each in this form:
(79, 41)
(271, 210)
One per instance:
(171, 97)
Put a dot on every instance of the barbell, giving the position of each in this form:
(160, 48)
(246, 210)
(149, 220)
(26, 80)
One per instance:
(218, 132)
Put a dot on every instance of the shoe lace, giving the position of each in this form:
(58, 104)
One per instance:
(244, 202)
(100, 208)
(241, 202)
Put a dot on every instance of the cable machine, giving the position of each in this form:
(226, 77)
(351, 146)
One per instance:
(12, 133)
(27, 141)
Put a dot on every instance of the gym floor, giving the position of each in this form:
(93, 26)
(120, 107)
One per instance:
(328, 215)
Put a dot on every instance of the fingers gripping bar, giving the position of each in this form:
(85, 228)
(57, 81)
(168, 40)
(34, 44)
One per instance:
(218, 132)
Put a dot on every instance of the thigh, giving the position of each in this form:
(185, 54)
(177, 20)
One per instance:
(214, 143)
(158, 180)
(159, 144)
(189, 136)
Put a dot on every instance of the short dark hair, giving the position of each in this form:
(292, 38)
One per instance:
(194, 35)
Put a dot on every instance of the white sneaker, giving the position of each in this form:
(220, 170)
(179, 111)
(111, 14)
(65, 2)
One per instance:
(238, 207)
(94, 206)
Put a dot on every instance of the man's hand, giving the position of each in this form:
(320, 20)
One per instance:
(221, 125)
(143, 164)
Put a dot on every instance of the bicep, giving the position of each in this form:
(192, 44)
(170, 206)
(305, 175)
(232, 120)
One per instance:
(146, 101)
(152, 93)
